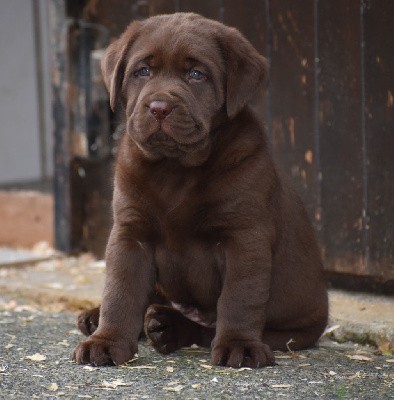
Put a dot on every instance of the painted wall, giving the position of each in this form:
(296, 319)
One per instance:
(25, 137)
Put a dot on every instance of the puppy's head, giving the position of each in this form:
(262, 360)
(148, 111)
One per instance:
(177, 77)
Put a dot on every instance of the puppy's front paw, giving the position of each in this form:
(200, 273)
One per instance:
(239, 353)
(99, 351)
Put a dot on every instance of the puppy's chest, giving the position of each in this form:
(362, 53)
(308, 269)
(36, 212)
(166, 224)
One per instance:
(186, 252)
(180, 207)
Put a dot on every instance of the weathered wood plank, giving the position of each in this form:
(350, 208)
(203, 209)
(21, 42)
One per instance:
(207, 8)
(61, 182)
(379, 134)
(343, 189)
(293, 97)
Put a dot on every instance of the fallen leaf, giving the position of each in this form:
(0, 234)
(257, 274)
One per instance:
(284, 386)
(89, 368)
(52, 387)
(214, 379)
(28, 319)
(36, 357)
(206, 366)
(138, 367)
(170, 369)
(174, 388)
(390, 360)
(291, 356)
(54, 285)
(359, 357)
(115, 383)
(131, 361)
(331, 329)
(196, 386)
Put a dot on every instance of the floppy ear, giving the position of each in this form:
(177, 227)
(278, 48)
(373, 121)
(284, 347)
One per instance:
(114, 61)
(246, 69)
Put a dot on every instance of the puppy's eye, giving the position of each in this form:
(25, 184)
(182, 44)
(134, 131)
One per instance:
(196, 75)
(144, 71)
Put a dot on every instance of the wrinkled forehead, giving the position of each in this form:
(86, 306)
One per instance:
(174, 41)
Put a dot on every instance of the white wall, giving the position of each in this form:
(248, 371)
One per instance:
(24, 154)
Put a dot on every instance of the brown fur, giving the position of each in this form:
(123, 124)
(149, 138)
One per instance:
(201, 217)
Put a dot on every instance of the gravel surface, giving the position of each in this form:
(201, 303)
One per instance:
(35, 348)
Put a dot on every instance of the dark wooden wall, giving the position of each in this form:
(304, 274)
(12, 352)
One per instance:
(329, 111)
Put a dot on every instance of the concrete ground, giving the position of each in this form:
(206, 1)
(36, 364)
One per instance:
(38, 305)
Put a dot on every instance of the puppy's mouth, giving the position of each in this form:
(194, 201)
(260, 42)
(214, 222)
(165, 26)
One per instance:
(162, 142)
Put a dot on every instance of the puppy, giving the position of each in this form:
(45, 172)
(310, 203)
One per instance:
(209, 245)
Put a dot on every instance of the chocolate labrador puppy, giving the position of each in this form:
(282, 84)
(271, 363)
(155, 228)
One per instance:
(209, 246)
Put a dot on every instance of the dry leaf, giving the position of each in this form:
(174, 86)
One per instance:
(331, 329)
(359, 357)
(54, 285)
(196, 386)
(390, 360)
(52, 387)
(36, 357)
(174, 388)
(170, 369)
(114, 384)
(284, 386)
(206, 366)
(291, 356)
(89, 368)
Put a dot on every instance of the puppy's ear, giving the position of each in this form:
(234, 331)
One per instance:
(246, 69)
(114, 61)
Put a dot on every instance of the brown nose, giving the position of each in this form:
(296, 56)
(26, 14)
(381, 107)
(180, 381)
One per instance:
(160, 109)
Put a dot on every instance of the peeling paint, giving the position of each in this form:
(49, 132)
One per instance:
(390, 99)
(309, 156)
(291, 125)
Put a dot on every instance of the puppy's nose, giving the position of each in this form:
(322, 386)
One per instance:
(160, 109)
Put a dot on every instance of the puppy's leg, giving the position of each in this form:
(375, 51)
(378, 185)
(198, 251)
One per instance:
(87, 321)
(295, 338)
(128, 287)
(242, 303)
(168, 330)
